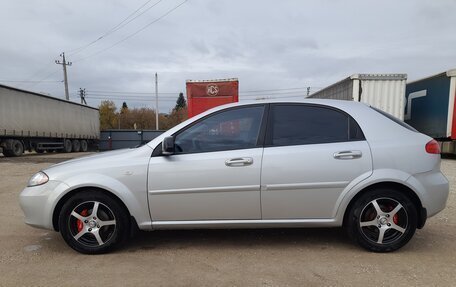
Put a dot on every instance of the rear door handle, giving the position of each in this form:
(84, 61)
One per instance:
(348, 154)
(240, 161)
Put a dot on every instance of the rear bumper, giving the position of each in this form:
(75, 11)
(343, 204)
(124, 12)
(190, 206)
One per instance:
(433, 189)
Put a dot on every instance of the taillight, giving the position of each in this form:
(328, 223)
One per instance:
(433, 147)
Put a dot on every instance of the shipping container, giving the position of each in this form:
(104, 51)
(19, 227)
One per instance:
(206, 94)
(34, 121)
(383, 91)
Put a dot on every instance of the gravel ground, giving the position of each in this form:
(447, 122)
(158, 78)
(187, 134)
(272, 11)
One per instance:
(274, 257)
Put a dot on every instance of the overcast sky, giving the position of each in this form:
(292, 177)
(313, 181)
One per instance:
(268, 45)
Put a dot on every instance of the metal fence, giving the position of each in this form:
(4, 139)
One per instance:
(118, 139)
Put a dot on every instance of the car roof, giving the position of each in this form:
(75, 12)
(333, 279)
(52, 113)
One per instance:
(342, 104)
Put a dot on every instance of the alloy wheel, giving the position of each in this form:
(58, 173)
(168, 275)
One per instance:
(92, 223)
(383, 221)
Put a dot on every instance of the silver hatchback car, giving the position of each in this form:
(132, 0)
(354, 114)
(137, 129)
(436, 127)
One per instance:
(309, 163)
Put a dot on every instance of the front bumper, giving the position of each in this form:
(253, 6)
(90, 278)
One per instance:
(38, 203)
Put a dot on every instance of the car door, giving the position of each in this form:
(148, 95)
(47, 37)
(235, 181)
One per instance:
(311, 154)
(214, 172)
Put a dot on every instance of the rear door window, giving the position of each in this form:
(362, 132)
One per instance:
(298, 124)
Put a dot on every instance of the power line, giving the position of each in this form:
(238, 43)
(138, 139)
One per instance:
(42, 79)
(133, 34)
(126, 96)
(279, 93)
(116, 28)
(244, 93)
(173, 100)
(132, 93)
(261, 97)
(25, 81)
(47, 68)
(129, 99)
(123, 96)
(283, 89)
(136, 98)
(303, 93)
(167, 95)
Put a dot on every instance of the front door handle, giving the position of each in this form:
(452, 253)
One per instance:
(348, 154)
(240, 161)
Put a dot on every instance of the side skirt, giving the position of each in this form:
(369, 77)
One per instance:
(255, 223)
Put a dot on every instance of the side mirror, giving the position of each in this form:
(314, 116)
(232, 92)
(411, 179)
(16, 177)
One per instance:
(168, 146)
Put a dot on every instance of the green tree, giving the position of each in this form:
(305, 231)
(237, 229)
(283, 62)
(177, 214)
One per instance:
(180, 103)
(108, 117)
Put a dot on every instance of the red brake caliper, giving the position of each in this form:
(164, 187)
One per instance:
(395, 219)
(79, 223)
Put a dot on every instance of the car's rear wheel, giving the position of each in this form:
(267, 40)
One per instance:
(92, 222)
(382, 220)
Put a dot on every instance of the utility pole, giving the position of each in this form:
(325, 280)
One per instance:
(64, 63)
(82, 94)
(156, 101)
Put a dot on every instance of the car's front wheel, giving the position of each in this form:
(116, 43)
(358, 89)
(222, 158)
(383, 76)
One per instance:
(92, 222)
(382, 220)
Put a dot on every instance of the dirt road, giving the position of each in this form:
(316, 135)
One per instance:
(286, 257)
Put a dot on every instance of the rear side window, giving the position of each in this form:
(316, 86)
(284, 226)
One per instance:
(307, 124)
(394, 119)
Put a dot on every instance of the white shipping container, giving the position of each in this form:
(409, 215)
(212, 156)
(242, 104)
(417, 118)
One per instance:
(383, 91)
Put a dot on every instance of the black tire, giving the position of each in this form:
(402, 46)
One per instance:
(397, 220)
(81, 234)
(17, 148)
(39, 150)
(67, 145)
(7, 153)
(76, 146)
(84, 146)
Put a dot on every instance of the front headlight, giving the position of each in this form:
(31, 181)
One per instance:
(38, 178)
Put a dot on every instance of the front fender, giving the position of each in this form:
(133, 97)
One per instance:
(134, 198)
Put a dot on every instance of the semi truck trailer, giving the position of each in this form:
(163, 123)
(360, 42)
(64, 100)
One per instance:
(383, 91)
(38, 122)
(203, 95)
(430, 108)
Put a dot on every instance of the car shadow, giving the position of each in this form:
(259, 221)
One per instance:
(239, 238)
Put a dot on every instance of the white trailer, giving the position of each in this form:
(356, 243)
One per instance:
(34, 121)
(383, 91)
